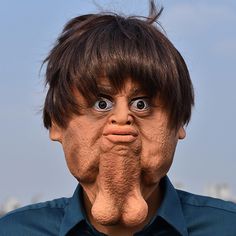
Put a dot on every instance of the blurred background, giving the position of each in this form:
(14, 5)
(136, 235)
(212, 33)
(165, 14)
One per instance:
(32, 168)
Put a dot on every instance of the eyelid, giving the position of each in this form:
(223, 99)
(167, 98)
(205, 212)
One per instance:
(108, 101)
(101, 95)
(146, 98)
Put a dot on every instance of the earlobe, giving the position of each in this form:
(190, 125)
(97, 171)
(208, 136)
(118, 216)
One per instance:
(55, 132)
(181, 133)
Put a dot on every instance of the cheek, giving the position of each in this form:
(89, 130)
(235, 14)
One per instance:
(157, 155)
(82, 153)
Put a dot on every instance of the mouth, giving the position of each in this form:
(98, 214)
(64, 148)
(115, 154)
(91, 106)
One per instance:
(121, 135)
(120, 138)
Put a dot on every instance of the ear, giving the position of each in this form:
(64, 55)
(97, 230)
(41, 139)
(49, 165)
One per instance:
(181, 132)
(55, 132)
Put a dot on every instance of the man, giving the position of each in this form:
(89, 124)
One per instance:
(119, 97)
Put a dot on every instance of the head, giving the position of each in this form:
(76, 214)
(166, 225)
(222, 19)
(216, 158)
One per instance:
(119, 96)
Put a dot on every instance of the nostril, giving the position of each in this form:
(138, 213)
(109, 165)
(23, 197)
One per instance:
(128, 122)
(124, 120)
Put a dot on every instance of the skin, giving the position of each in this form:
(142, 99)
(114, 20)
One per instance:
(119, 150)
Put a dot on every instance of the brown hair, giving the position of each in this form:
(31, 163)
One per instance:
(117, 47)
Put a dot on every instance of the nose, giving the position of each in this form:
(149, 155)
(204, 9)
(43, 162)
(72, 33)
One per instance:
(121, 115)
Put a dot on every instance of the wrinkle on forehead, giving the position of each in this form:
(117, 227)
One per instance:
(128, 90)
(107, 86)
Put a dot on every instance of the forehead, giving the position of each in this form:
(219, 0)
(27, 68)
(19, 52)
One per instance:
(128, 85)
(112, 86)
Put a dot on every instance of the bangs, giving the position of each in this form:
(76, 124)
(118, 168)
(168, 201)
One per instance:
(117, 48)
(120, 50)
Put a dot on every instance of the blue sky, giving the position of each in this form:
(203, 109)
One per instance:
(204, 32)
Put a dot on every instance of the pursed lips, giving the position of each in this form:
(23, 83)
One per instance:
(118, 134)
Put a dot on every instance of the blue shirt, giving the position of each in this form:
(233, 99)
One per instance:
(180, 213)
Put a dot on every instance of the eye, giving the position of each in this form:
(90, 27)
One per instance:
(103, 104)
(140, 104)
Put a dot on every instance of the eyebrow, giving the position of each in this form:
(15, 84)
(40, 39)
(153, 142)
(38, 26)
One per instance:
(108, 90)
(105, 89)
(136, 91)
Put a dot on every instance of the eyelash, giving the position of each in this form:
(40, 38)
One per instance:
(143, 99)
(109, 104)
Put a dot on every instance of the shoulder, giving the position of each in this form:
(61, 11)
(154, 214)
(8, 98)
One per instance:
(210, 214)
(32, 219)
(204, 202)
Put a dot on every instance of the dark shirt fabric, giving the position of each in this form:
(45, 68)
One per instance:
(180, 213)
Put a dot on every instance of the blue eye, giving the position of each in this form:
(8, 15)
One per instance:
(140, 104)
(103, 104)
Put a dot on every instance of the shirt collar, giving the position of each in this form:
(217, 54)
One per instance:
(74, 212)
(171, 209)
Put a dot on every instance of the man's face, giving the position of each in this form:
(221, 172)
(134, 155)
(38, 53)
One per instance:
(119, 149)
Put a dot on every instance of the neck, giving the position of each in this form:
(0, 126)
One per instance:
(153, 200)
